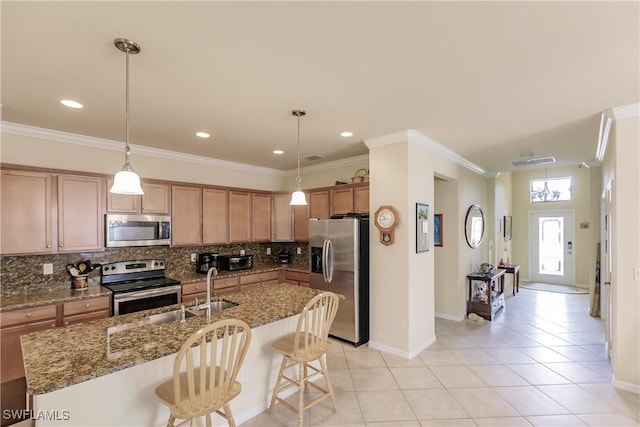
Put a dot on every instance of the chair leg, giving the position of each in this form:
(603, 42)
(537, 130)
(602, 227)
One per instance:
(171, 421)
(229, 415)
(306, 376)
(278, 381)
(325, 372)
(208, 420)
(301, 388)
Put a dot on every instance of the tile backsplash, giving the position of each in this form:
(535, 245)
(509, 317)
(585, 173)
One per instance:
(24, 273)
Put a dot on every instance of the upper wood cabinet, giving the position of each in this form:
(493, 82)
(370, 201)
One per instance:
(27, 207)
(301, 222)
(25, 212)
(361, 199)
(282, 218)
(341, 201)
(186, 215)
(215, 215)
(155, 200)
(319, 204)
(80, 213)
(260, 217)
(239, 216)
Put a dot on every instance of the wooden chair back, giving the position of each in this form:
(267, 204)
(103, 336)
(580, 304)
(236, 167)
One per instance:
(314, 323)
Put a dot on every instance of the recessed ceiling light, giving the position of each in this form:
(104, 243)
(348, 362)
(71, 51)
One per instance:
(346, 134)
(71, 104)
(278, 152)
(202, 135)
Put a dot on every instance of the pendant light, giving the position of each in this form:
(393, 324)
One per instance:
(297, 197)
(127, 181)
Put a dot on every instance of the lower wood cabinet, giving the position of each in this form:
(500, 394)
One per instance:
(226, 284)
(15, 324)
(259, 279)
(85, 310)
(296, 278)
(191, 291)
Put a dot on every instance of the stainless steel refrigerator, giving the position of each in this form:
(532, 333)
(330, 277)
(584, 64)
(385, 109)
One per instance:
(339, 252)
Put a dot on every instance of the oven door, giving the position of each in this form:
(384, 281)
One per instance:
(130, 302)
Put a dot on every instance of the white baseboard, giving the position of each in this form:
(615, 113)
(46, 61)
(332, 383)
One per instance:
(401, 353)
(449, 317)
(630, 387)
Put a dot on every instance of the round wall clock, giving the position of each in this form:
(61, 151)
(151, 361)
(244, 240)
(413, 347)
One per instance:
(386, 219)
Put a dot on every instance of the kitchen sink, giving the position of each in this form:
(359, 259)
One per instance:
(176, 315)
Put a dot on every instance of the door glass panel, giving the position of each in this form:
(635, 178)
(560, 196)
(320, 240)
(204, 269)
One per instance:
(551, 244)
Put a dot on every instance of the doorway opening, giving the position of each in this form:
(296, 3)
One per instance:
(551, 256)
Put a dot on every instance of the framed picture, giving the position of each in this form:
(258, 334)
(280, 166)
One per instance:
(437, 230)
(507, 227)
(422, 227)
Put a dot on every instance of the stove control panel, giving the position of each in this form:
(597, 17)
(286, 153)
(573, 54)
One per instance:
(136, 266)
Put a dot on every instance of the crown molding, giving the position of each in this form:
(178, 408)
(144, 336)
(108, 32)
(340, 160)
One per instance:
(626, 111)
(351, 161)
(415, 136)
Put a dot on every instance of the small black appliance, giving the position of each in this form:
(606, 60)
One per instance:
(284, 257)
(206, 260)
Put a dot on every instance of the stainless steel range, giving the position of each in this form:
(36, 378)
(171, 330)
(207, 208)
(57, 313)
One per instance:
(139, 285)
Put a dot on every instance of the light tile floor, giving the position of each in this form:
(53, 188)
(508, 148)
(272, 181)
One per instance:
(541, 362)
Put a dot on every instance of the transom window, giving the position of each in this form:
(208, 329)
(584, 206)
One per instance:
(550, 190)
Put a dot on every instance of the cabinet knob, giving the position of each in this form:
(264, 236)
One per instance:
(48, 246)
(61, 245)
(87, 305)
(28, 314)
(66, 323)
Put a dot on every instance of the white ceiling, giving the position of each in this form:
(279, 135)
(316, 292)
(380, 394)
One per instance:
(491, 81)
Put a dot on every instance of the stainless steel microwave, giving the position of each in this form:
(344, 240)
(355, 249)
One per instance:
(137, 230)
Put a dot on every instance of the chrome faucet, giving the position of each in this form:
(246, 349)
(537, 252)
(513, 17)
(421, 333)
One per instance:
(207, 305)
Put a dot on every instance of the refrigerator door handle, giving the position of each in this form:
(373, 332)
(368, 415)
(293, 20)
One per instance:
(324, 260)
(330, 263)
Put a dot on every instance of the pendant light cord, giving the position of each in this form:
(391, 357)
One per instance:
(127, 150)
(298, 179)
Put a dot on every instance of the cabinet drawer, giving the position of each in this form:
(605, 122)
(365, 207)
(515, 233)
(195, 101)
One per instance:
(28, 315)
(85, 317)
(191, 298)
(296, 275)
(85, 306)
(194, 288)
(258, 277)
(227, 282)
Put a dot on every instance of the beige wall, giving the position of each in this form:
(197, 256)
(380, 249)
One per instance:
(585, 240)
(403, 281)
(316, 177)
(503, 206)
(620, 167)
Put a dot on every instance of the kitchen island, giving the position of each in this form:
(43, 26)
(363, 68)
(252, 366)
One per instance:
(105, 372)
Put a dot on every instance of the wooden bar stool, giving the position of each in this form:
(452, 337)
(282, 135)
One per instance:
(209, 386)
(309, 343)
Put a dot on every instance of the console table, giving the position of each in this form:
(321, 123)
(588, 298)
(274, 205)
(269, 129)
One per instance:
(515, 270)
(485, 293)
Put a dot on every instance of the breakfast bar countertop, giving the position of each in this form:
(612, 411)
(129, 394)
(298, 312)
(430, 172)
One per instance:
(61, 357)
(39, 296)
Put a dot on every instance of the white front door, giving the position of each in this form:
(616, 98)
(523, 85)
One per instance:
(551, 256)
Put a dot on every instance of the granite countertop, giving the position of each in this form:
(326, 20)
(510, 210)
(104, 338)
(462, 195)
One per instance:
(60, 357)
(41, 295)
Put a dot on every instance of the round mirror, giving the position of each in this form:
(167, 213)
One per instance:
(474, 226)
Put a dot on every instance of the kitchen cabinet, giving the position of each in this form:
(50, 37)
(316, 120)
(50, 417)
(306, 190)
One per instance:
(28, 205)
(249, 281)
(239, 216)
(15, 324)
(215, 215)
(361, 199)
(261, 217)
(319, 204)
(80, 213)
(155, 200)
(225, 285)
(282, 218)
(301, 222)
(296, 278)
(85, 310)
(25, 212)
(186, 215)
(341, 201)
(191, 291)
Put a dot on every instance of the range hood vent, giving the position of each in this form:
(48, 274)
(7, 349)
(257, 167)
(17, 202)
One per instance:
(314, 157)
(538, 161)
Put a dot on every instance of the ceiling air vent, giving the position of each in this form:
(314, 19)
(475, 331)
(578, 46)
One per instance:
(314, 157)
(538, 161)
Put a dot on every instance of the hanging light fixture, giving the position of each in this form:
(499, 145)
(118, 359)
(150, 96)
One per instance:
(127, 181)
(297, 197)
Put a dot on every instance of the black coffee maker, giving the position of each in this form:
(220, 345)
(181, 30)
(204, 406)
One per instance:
(206, 260)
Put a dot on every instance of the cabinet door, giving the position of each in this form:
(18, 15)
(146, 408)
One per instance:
(261, 217)
(239, 216)
(319, 204)
(11, 366)
(215, 215)
(186, 215)
(301, 222)
(121, 203)
(80, 213)
(156, 198)
(361, 199)
(85, 317)
(282, 230)
(25, 212)
(341, 201)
